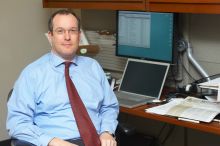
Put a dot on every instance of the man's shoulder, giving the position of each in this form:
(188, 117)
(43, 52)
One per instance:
(89, 64)
(38, 64)
(86, 60)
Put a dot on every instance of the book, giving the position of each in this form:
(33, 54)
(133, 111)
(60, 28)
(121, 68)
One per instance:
(191, 108)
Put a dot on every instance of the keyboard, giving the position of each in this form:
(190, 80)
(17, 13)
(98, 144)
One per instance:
(127, 96)
(130, 100)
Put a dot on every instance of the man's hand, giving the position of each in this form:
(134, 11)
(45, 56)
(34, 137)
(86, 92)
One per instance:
(60, 142)
(107, 139)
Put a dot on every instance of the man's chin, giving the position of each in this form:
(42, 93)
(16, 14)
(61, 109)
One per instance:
(69, 56)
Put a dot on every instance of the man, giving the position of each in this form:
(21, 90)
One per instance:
(39, 110)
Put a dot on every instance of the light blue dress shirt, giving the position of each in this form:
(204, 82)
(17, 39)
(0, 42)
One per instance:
(39, 107)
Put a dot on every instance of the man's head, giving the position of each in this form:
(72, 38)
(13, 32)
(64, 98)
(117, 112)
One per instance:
(64, 33)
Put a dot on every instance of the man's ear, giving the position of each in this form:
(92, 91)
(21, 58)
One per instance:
(80, 36)
(48, 36)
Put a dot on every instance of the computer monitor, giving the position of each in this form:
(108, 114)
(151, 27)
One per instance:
(145, 35)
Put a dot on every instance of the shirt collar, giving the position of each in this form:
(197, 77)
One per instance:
(57, 60)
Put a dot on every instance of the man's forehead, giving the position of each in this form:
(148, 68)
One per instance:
(62, 20)
(64, 16)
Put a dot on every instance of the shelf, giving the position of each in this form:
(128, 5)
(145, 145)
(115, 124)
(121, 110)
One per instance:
(96, 4)
(185, 6)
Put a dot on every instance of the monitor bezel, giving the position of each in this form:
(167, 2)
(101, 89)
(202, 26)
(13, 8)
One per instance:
(167, 65)
(174, 52)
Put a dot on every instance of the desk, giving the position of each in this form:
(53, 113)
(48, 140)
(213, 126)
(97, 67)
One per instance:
(213, 127)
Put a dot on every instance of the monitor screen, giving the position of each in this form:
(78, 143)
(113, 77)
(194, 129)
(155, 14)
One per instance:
(145, 35)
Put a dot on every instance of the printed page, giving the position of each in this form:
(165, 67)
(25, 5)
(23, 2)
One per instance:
(163, 109)
(189, 108)
(201, 104)
(199, 114)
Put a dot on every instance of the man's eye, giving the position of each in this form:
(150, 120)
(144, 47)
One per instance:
(73, 31)
(60, 31)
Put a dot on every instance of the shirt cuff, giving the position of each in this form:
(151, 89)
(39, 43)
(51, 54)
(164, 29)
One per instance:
(112, 134)
(45, 139)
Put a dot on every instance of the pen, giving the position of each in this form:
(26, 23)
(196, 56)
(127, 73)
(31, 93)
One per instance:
(188, 120)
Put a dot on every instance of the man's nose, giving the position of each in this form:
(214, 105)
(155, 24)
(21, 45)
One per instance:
(67, 35)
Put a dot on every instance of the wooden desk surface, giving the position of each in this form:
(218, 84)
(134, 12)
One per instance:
(213, 127)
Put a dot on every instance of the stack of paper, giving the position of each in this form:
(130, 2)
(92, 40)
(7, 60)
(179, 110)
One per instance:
(212, 84)
(190, 108)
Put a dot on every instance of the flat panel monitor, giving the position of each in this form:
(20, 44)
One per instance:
(145, 35)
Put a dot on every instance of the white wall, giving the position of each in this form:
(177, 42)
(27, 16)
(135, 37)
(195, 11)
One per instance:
(204, 35)
(22, 27)
(203, 32)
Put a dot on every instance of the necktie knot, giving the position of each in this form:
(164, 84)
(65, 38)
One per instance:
(67, 64)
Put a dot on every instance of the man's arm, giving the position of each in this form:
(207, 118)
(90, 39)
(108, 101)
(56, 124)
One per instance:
(107, 139)
(110, 107)
(60, 142)
(21, 112)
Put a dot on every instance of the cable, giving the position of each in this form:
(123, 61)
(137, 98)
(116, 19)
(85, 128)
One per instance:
(160, 133)
(174, 79)
(180, 62)
(211, 76)
(168, 134)
(161, 130)
(181, 59)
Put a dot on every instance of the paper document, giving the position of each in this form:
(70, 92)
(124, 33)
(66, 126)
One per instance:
(189, 108)
(212, 84)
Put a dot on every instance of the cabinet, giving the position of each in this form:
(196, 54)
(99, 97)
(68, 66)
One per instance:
(178, 6)
(97, 4)
(185, 6)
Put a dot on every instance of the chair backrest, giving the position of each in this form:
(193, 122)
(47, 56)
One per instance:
(9, 94)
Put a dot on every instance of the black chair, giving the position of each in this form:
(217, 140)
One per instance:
(9, 95)
(123, 133)
(126, 135)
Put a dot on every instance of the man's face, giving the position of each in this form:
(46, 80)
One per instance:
(65, 36)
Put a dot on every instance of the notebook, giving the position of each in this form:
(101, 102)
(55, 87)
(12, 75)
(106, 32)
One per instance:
(142, 82)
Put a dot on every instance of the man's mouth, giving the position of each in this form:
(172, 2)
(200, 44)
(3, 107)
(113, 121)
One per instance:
(67, 45)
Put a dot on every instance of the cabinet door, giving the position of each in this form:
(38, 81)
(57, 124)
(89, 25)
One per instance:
(185, 6)
(96, 4)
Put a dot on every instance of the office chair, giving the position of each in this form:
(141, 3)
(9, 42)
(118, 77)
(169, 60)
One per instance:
(126, 135)
(9, 95)
(123, 132)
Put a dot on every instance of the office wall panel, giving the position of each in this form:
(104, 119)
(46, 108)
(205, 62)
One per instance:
(22, 40)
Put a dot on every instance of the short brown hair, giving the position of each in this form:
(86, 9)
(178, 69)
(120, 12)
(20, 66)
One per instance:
(61, 12)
